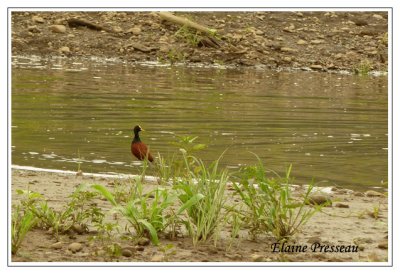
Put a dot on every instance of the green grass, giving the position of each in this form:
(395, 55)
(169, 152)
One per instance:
(271, 207)
(202, 195)
(192, 200)
(21, 222)
(143, 211)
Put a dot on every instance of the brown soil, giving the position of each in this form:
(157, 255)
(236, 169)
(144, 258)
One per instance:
(278, 40)
(338, 225)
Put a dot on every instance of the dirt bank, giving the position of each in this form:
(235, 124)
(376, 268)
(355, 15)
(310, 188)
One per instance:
(277, 40)
(354, 219)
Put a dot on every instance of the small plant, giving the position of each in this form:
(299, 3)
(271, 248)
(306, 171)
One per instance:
(144, 211)
(271, 205)
(202, 195)
(21, 222)
(78, 212)
(167, 250)
(363, 68)
(189, 36)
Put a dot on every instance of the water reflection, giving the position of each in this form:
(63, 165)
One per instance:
(330, 127)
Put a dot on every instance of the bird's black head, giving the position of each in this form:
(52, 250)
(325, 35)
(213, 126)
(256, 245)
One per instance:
(137, 129)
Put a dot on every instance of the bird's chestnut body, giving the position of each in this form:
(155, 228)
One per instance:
(138, 148)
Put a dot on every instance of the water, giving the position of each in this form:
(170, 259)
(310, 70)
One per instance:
(333, 128)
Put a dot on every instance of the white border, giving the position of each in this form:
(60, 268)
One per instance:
(205, 4)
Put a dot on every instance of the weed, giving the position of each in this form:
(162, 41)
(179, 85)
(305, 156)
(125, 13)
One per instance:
(167, 250)
(76, 212)
(189, 36)
(21, 222)
(363, 67)
(202, 198)
(144, 215)
(271, 205)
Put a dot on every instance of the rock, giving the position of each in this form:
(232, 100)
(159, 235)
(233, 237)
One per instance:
(377, 16)
(383, 245)
(339, 56)
(157, 258)
(58, 28)
(358, 194)
(257, 257)
(287, 59)
(316, 67)
(319, 199)
(126, 252)
(57, 245)
(33, 29)
(361, 240)
(37, 19)
(373, 193)
(286, 49)
(117, 29)
(360, 22)
(314, 239)
(134, 30)
(139, 248)
(342, 205)
(302, 42)
(75, 247)
(143, 241)
(64, 50)
(317, 41)
(80, 229)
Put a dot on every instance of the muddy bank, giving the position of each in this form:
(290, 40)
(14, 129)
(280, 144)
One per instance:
(355, 220)
(322, 41)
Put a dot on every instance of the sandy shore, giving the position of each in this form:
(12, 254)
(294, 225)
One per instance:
(349, 222)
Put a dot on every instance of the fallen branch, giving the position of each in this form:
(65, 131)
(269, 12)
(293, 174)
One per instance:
(168, 16)
(208, 41)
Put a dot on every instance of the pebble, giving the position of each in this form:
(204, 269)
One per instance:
(117, 29)
(383, 245)
(286, 49)
(126, 252)
(257, 257)
(75, 247)
(361, 240)
(317, 67)
(373, 193)
(64, 50)
(33, 29)
(134, 30)
(156, 258)
(342, 205)
(377, 16)
(143, 241)
(37, 19)
(318, 199)
(314, 239)
(317, 41)
(302, 42)
(57, 245)
(58, 28)
(78, 229)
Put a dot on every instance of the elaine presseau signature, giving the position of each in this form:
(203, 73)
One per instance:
(315, 247)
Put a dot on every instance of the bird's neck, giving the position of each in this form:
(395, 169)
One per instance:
(136, 139)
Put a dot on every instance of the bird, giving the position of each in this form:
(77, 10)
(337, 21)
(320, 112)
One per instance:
(138, 148)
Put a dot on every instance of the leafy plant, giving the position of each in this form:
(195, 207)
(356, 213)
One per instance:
(271, 205)
(78, 211)
(144, 211)
(202, 196)
(363, 67)
(21, 222)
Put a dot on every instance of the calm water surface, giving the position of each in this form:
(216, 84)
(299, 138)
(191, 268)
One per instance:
(332, 128)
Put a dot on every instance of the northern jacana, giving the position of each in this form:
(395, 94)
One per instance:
(138, 148)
